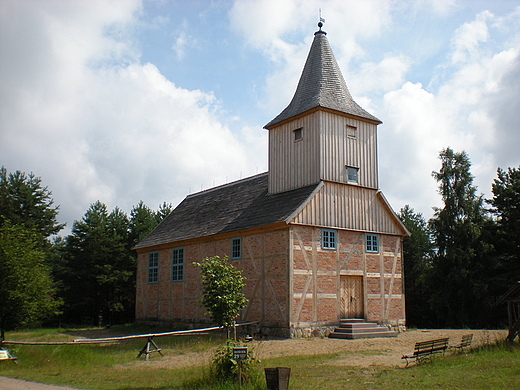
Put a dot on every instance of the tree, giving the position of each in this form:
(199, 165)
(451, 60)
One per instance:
(506, 207)
(27, 293)
(222, 283)
(164, 210)
(459, 267)
(142, 221)
(24, 201)
(417, 252)
(99, 268)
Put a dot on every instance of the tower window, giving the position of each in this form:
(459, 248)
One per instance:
(328, 239)
(351, 131)
(352, 175)
(298, 134)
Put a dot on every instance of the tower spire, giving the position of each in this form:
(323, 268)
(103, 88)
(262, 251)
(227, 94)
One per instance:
(321, 85)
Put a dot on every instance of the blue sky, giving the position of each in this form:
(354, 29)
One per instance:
(122, 101)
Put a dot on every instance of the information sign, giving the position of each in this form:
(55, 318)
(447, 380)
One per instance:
(240, 353)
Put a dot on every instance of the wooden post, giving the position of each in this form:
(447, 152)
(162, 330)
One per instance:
(239, 374)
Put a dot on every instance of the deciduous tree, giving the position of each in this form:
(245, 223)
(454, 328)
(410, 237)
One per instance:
(27, 292)
(222, 284)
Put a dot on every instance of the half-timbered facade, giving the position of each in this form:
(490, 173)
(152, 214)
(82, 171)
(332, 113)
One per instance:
(315, 237)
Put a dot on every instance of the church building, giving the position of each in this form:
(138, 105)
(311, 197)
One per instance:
(315, 237)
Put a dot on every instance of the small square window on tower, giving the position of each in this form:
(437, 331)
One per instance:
(351, 131)
(298, 134)
(352, 175)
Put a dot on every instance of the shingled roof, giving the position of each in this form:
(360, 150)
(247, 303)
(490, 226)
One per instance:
(235, 206)
(321, 85)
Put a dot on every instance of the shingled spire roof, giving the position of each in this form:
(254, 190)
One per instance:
(321, 85)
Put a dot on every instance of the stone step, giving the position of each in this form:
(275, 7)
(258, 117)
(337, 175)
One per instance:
(359, 325)
(353, 336)
(358, 328)
(371, 329)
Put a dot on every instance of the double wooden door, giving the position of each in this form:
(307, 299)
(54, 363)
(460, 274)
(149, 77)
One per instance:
(352, 297)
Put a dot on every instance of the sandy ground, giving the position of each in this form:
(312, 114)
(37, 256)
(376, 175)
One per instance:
(18, 384)
(361, 353)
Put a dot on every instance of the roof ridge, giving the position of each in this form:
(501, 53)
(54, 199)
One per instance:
(226, 185)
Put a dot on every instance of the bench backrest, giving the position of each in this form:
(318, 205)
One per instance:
(431, 346)
(466, 340)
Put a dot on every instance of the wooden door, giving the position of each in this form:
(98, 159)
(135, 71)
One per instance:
(352, 297)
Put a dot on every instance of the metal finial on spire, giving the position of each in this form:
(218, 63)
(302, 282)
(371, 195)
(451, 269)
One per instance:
(320, 25)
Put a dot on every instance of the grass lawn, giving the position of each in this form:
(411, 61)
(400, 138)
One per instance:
(115, 366)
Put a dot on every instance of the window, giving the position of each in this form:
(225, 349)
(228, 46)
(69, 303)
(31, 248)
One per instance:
(153, 267)
(351, 131)
(298, 134)
(352, 175)
(177, 264)
(236, 248)
(328, 239)
(372, 242)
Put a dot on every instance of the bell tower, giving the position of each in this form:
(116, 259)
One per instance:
(323, 134)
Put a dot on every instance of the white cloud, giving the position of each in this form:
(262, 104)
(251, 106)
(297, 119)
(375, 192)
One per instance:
(82, 112)
(468, 37)
(472, 109)
(270, 26)
(386, 75)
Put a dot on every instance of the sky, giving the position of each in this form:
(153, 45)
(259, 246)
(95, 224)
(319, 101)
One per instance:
(128, 100)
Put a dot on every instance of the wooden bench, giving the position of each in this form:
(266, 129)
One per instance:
(425, 349)
(6, 355)
(465, 342)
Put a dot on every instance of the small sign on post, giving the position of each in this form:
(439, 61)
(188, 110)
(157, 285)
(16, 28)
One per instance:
(239, 353)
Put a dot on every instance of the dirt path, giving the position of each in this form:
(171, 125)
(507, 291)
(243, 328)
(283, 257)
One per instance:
(363, 353)
(18, 384)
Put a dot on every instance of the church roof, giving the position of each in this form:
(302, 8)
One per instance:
(321, 85)
(235, 206)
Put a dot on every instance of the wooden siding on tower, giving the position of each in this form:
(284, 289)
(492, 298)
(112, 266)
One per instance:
(349, 207)
(294, 163)
(340, 150)
(323, 153)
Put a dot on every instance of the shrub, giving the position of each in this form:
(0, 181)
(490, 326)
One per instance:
(224, 367)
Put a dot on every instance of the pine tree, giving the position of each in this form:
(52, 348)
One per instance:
(506, 208)
(417, 252)
(458, 282)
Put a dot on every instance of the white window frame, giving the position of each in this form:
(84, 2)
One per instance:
(329, 238)
(153, 267)
(178, 264)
